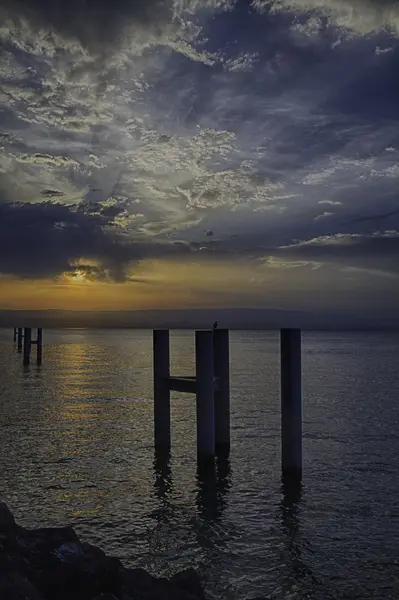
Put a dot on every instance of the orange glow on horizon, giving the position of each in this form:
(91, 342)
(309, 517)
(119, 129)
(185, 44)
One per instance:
(152, 284)
(176, 284)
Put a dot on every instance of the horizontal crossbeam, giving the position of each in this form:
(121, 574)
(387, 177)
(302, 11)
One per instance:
(187, 384)
(182, 384)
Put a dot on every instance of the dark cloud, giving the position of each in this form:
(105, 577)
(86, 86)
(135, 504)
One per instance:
(376, 218)
(47, 239)
(303, 92)
(373, 93)
(94, 23)
(52, 194)
(40, 240)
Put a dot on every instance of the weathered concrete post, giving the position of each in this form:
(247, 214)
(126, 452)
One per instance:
(20, 336)
(39, 342)
(221, 360)
(161, 351)
(15, 334)
(27, 344)
(291, 402)
(205, 394)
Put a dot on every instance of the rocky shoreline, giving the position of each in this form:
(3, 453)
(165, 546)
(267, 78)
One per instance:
(53, 564)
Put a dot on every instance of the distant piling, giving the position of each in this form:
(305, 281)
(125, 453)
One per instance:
(23, 336)
(20, 338)
(291, 402)
(27, 344)
(39, 342)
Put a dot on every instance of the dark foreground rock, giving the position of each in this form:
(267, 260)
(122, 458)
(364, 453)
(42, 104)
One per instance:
(53, 564)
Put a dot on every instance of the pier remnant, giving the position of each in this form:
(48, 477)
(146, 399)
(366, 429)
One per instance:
(27, 344)
(205, 394)
(291, 402)
(25, 341)
(39, 342)
(221, 357)
(161, 362)
(15, 333)
(20, 338)
(210, 385)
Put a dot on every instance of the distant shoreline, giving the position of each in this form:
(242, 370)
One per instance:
(386, 329)
(251, 319)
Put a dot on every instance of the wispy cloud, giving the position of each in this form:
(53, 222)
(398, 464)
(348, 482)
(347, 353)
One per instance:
(361, 16)
(331, 202)
(324, 215)
(373, 272)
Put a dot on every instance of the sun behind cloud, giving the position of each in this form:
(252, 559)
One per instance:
(78, 276)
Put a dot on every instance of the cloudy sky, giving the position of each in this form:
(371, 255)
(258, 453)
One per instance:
(194, 153)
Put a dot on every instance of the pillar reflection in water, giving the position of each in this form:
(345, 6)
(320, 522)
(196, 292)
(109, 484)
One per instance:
(166, 524)
(299, 572)
(213, 480)
(213, 483)
(163, 483)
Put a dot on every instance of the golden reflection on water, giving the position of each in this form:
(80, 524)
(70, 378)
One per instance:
(81, 451)
(71, 363)
(101, 410)
(84, 512)
(77, 415)
(80, 502)
(73, 432)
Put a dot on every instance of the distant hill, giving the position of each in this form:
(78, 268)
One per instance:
(245, 318)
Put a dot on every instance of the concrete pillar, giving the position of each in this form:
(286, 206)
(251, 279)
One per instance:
(161, 350)
(20, 336)
(27, 344)
(39, 345)
(205, 394)
(221, 360)
(291, 402)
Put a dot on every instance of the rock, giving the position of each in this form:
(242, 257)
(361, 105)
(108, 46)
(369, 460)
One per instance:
(189, 581)
(15, 587)
(58, 565)
(53, 564)
(62, 568)
(7, 521)
(142, 586)
(11, 562)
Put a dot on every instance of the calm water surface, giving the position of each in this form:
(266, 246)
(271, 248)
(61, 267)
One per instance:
(77, 447)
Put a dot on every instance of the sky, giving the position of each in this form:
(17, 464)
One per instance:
(198, 154)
